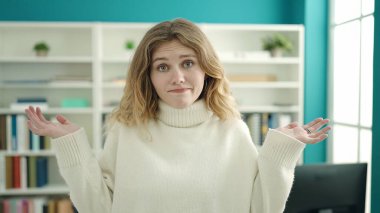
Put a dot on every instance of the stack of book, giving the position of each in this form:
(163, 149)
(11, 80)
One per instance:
(260, 123)
(15, 135)
(23, 103)
(22, 172)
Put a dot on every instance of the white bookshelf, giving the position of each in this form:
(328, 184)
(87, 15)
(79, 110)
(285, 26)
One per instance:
(96, 51)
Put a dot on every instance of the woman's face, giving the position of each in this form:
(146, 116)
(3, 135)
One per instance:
(176, 75)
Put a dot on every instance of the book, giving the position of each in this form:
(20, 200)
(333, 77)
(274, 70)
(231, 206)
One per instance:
(22, 133)
(32, 100)
(52, 206)
(42, 171)
(16, 162)
(14, 132)
(23, 172)
(3, 132)
(39, 203)
(3, 172)
(32, 172)
(9, 172)
(9, 132)
(64, 206)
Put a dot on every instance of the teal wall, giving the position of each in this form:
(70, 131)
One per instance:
(316, 66)
(214, 11)
(312, 13)
(375, 204)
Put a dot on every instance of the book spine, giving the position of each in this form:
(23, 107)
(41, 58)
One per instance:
(3, 172)
(42, 173)
(16, 172)
(24, 172)
(3, 132)
(32, 177)
(9, 132)
(14, 132)
(9, 172)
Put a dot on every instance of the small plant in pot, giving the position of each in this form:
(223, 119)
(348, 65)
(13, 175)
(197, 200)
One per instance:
(129, 45)
(41, 48)
(277, 44)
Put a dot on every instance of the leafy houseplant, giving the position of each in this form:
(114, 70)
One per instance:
(41, 48)
(129, 45)
(276, 44)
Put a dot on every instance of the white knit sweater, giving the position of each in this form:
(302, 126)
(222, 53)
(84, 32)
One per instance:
(193, 162)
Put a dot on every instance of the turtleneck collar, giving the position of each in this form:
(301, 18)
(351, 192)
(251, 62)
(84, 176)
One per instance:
(192, 115)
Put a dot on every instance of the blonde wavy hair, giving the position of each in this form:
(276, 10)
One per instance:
(140, 101)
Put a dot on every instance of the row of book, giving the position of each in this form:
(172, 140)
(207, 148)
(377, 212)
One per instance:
(16, 136)
(36, 205)
(21, 172)
(260, 123)
(23, 103)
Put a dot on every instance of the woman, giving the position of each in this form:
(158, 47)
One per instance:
(177, 143)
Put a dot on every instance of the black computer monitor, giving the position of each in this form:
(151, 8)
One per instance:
(328, 188)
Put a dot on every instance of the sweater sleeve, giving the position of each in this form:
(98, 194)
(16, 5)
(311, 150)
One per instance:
(90, 181)
(274, 178)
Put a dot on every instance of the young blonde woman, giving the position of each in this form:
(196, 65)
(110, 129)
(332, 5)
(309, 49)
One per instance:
(176, 143)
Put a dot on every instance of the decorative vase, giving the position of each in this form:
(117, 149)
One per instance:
(41, 53)
(276, 52)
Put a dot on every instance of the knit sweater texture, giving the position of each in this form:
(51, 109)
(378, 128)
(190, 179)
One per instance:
(190, 162)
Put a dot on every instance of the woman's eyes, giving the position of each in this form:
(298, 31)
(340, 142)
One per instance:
(164, 67)
(188, 64)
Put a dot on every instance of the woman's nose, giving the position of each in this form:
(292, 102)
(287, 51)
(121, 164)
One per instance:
(178, 76)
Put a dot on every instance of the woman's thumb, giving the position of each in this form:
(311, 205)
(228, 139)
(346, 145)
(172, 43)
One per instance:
(61, 119)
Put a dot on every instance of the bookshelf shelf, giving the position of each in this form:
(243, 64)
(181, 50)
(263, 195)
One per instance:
(88, 61)
(50, 111)
(49, 59)
(289, 60)
(46, 190)
(46, 153)
(283, 109)
(32, 85)
(269, 85)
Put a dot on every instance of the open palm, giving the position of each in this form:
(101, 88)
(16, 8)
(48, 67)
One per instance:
(317, 131)
(38, 124)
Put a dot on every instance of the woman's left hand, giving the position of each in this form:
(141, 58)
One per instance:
(310, 133)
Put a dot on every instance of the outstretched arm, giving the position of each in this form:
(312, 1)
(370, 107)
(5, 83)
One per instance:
(90, 182)
(277, 160)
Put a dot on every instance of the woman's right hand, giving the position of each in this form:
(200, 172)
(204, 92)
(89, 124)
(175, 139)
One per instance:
(38, 124)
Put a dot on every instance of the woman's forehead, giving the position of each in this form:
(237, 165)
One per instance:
(172, 48)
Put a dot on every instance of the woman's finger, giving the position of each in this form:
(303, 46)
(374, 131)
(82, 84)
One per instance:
(292, 125)
(34, 118)
(318, 125)
(320, 132)
(312, 123)
(61, 119)
(33, 128)
(41, 116)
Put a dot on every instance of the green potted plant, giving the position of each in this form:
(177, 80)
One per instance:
(129, 45)
(277, 44)
(41, 48)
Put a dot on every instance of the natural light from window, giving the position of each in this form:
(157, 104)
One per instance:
(350, 109)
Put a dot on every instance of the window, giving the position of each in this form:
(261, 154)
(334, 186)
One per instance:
(351, 74)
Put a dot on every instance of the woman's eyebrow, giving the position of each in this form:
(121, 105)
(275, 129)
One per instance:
(187, 56)
(160, 58)
(181, 56)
